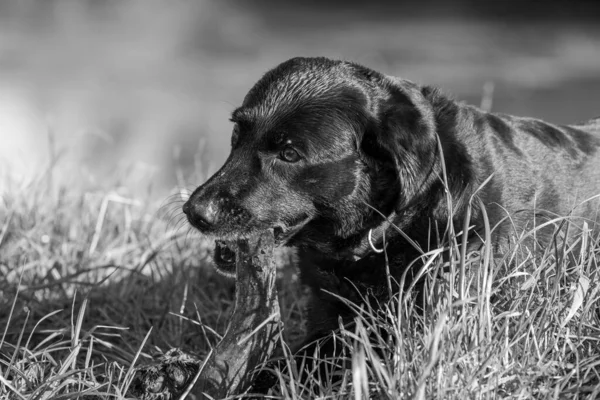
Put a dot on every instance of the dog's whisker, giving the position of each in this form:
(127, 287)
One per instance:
(176, 224)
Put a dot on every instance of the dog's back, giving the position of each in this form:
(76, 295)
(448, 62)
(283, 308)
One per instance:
(588, 178)
(592, 126)
(547, 172)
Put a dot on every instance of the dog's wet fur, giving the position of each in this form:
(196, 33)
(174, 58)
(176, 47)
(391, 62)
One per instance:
(323, 150)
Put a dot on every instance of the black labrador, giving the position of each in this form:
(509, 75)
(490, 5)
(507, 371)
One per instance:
(330, 154)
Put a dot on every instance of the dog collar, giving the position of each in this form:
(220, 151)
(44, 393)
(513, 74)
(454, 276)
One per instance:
(374, 241)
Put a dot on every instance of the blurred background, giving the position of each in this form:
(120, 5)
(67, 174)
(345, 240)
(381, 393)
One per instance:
(138, 93)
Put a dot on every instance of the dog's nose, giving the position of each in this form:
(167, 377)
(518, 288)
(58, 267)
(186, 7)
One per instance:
(202, 214)
(186, 208)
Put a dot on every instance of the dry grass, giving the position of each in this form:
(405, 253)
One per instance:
(95, 282)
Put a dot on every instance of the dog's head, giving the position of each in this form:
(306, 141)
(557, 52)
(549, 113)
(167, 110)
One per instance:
(313, 143)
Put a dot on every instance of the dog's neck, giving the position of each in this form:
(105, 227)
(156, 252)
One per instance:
(428, 208)
(416, 215)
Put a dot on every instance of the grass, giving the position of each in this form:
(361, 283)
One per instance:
(95, 282)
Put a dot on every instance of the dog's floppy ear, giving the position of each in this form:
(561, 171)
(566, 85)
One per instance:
(402, 135)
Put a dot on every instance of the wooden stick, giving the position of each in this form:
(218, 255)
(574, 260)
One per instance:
(252, 332)
(249, 340)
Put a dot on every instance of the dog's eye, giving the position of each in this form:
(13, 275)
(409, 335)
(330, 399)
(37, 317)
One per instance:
(235, 135)
(289, 154)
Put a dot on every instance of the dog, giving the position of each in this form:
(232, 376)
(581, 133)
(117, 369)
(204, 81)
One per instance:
(338, 159)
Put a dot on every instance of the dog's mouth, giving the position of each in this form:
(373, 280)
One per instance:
(225, 255)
